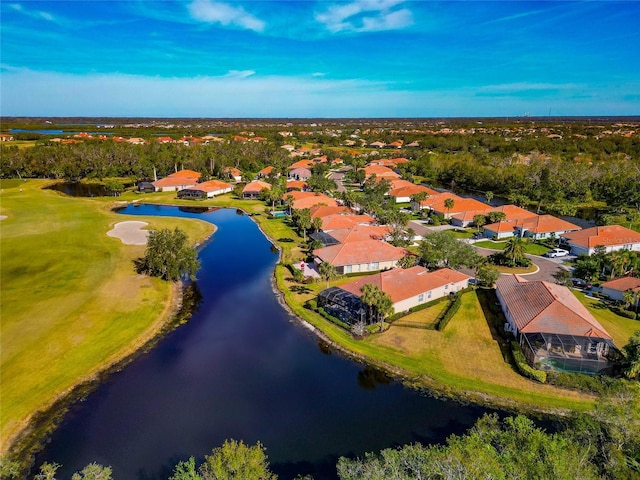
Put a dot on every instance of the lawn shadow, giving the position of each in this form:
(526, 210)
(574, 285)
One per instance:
(300, 289)
(495, 319)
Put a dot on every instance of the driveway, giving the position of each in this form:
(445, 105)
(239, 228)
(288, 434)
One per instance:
(546, 266)
(337, 178)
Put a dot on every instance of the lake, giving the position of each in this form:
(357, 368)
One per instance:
(243, 368)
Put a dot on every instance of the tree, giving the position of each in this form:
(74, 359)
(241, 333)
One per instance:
(236, 461)
(407, 261)
(628, 296)
(489, 196)
(93, 471)
(495, 217)
(327, 271)
(479, 220)
(302, 218)
(632, 357)
(114, 186)
(444, 249)
(417, 198)
(563, 277)
(169, 256)
(448, 204)
(378, 303)
(47, 471)
(186, 470)
(514, 250)
(487, 274)
(316, 223)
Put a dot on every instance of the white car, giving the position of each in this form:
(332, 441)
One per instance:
(557, 252)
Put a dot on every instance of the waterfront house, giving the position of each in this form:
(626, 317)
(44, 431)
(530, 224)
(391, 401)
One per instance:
(177, 181)
(253, 189)
(360, 256)
(555, 330)
(208, 189)
(233, 173)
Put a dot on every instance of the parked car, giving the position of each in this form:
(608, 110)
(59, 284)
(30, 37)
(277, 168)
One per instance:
(580, 283)
(557, 252)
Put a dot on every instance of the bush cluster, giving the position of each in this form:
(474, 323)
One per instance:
(447, 313)
(598, 384)
(523, 367)
(332, 319)
(624, 313)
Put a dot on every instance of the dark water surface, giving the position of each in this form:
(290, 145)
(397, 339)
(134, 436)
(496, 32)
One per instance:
(243, 368)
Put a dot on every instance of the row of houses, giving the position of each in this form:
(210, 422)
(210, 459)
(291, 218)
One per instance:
(187, 184)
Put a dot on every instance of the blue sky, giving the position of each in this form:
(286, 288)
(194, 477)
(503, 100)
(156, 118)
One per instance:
(361, 58)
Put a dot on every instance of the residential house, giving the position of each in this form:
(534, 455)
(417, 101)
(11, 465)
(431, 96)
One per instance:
(208, 189)
(402, 190)
(233, 173)
(555, 330)
(6, 137)
(360, 256)
(611, 237)
(253, 189)
(296, 185)
(322, 211)
(177, 181)
(506, 228)
(302, 174)
(265, 172)
(407, 288)
(436, 203)
(340, 221)
(380, 172)
(615, 288)
(309, 199)
(543, 226)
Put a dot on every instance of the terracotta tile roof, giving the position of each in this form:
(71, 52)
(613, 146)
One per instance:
(547, 308)
(402, 188)
(361, 232)
(255, 186)
(607, 236)
(439, 198)
(266, 170)
(468, 216)
(233, 171)
(380, 171)
(500, 227)
(186, 173)
(401, 284)
(322, 211)
(460, 204)
(309, 199)
(212, 186)
(513, 212)
(354, 253)
(546, 224)
(302, 164)
(623, 284)
(296, 184)
(298, 195)
(176, 181)
(337, 222)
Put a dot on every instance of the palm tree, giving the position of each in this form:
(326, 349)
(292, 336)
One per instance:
(448, 204)
(368, 297)
(632, 356)
(418, 198)
(479, 220)
(327, 271)
(628, 297)
(514, 250)
(384, 306)
(489, 196)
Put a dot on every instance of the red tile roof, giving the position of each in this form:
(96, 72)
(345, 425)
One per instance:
(610, 235)
(623, 284)
(337, 222)
(322, 211)
(358, 252)
(186, 173)
(547, 308)
(256, 186)
(309, 199)
(513, 212)
(212, 186)
(380, 171)
(401, 284)
(546, 224)
(358, 233)
(302, 164)
(266, 170)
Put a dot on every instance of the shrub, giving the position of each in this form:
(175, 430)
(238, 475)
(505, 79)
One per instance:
(298, 276)
(523, 367)
(447, 313)
(624, 313)
(333, 319)
(311, 304)
(598, 384)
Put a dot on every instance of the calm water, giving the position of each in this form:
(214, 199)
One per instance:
(243, 368)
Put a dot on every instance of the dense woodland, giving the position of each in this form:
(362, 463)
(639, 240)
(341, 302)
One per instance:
(580, 163)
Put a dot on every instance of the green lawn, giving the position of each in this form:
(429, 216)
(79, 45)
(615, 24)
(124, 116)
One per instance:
(529, 247)
(620, 328)
(71, 300)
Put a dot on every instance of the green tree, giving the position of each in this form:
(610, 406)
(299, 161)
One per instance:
(93, 471)
(479, 220)
(495, 217)
(379, 304)
(632, 357)
(114, 187)
(489, 196)
(169, 256)
(47, 471)
(448, 204)
(186, 470)
(316, 223)
(236, 461)
(487, 274)
(514, 250)
(444, 249)
(418, 198)
(563, 277)
(407, 261)
(302, 218)
(327, 272)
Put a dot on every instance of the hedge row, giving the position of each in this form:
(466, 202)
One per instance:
(332, 319)
(448, 312)
(417, 308)
(523, 367)
(598, 384)
(624, 313)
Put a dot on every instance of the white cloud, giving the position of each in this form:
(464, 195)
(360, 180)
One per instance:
(209, 11)
(366, 16)
(38, 14)
(239, 73)
(508, 88)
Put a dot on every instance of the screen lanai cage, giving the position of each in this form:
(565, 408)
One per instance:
(342, 304)
(569, 353)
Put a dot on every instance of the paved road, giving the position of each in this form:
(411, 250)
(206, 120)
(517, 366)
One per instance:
(337, 178)
(546, 266)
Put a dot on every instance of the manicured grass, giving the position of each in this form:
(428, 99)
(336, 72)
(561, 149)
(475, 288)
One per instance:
(464, 359)
(516, 270)
(529, 247)
(620, 328)
(72, 302)
(460, 233)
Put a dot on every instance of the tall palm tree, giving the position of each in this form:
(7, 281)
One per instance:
(514, 250)
(448, 204)
(327, 271)
(368, 298)
(489, 196)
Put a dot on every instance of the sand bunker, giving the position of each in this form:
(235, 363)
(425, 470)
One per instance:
(130, 233)
(2, 217)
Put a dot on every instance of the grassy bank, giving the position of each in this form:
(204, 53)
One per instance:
(71, 301)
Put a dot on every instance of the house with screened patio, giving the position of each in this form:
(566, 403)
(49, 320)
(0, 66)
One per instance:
(555, 330)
